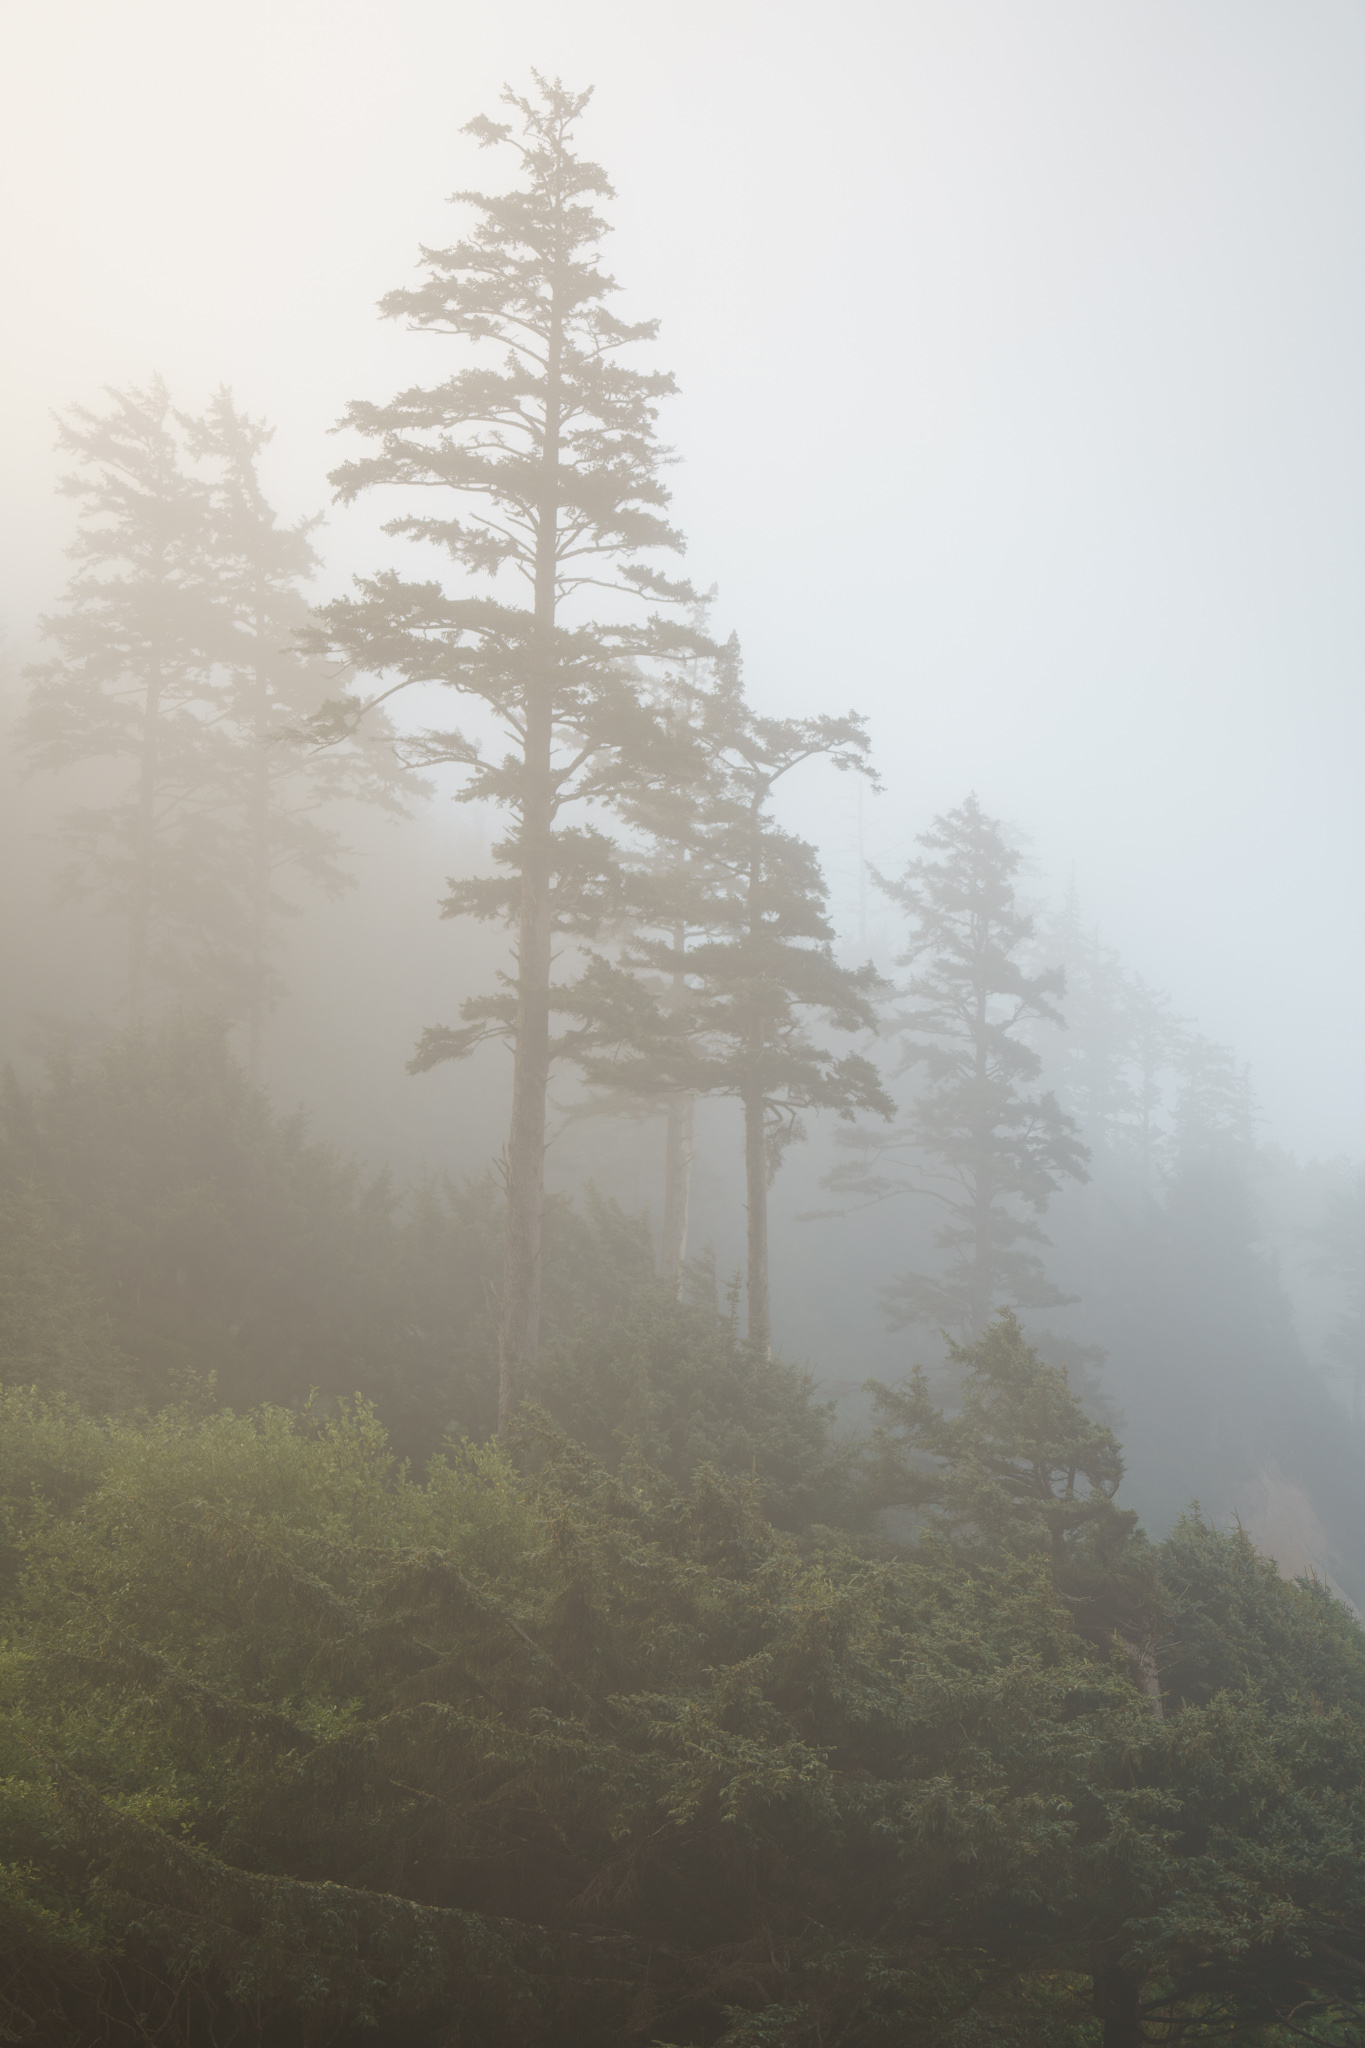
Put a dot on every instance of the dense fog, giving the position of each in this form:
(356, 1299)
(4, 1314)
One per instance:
(1088, 552)
(535, 889)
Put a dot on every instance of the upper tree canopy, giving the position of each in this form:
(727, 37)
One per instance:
(133, 681)
(552, 458)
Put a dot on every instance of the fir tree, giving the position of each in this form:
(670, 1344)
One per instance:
(1155, 1036)
(552, 459)
(279, 788)
(1337, 1252)
(981, 1139)
(671, 887)
(134, 682)
(739, 948)
(1097, 1083)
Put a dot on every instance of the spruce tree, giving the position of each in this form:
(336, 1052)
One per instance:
(739, 950)
(1094, 1055)
(279, 788)
(134, 682)
(1155, 1035)
(1337, 1253)
(671, 885)
(981, 1140)
(550, 456)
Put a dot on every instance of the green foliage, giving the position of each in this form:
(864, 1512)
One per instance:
(296, 1740)
(1019, 1467)
(54, 1332)
(296, 1745)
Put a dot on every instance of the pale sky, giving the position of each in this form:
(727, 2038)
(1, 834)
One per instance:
(1022, 346)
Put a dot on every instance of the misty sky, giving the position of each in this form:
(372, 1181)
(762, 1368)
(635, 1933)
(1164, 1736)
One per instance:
(1023, 356)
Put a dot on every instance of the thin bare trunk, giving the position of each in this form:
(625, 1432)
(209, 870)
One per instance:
(755, 1123)
(144, 853)
(682, 1111)
(260, 868)
(979, 1306)
(682, 1114)
(519, 1332)
(756, 1189)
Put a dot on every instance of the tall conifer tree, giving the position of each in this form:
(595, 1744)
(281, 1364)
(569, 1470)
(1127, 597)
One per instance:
(550, 455)
(280, 788)
(134, 682)
(737, 943)
(1337, 1245)
(981, 1139)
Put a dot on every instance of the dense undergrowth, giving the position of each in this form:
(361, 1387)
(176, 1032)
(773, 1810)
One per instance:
(326, 1720)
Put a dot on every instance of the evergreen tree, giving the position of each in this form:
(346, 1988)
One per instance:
(1155, 1035)
(552, 459)
(1094, 1059)
(297, 1745)
(1213, 1122)
(981, 1139)
(669, 881)
(1022, 1468)
(134, 683)
(279, 787)
(736, 939)
(1337, 1252)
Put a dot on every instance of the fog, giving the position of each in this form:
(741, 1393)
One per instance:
(1020, 397)
(682, 1231)
(1020, 409)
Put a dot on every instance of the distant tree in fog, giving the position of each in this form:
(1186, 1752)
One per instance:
(1117, 1062)
(550, 453)
(278, 786)
(176, 666)
(1337, 1245)
(1094, 1060)
(1213, 1118)
(134, 682)
(735, 939)
(1156, 1036)
(981, 1139)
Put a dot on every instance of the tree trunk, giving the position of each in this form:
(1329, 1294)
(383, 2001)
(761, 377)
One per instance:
(756, 1188)
(519, 1330)
(682, 1114)
(1116, 1994)
(983, 1191)
(260, 867)
(519, 1336)
(144, 854)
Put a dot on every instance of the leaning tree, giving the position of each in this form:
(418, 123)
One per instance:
(538, 447)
